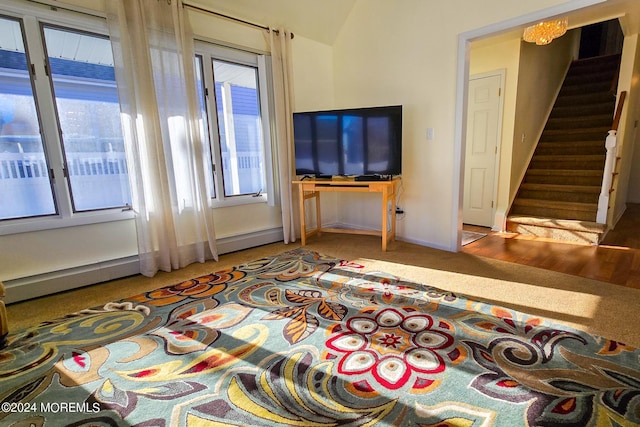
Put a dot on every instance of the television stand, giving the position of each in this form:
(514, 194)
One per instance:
(311, 189)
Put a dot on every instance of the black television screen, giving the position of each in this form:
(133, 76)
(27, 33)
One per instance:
(357, 141)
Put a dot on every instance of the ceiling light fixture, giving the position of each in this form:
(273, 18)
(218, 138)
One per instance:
(544, 32)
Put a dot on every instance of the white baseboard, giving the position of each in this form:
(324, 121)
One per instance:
(401, 238)
(71, 278)
(250, 240)
(424, 243)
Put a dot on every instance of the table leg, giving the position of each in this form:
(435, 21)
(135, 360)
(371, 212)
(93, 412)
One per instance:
(303, 218)
(393, 211)
(318, 218)
(385, 217)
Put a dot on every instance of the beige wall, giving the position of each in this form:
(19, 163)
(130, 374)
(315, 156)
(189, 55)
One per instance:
(312, 75)
(533, 77)
(28, 254)
(313, 90)
(542, 71)
(407, 52)
(633, 145)
(488, 56)
(389, 52)
(627, 187)
(33, 253)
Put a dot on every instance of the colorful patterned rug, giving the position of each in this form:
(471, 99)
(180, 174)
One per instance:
(302, 339)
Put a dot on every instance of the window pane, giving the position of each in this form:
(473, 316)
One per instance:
(328, 131)
(89, 115)
(353, 145)
(25, 187)
(204, 124)
(240, 128)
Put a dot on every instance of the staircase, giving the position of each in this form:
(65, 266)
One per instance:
(558, 197)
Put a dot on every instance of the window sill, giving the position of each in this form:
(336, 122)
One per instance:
(29, 225)
(53, 222)
(239, 200)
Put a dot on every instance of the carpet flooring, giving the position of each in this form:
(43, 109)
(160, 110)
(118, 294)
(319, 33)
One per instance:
(590, 305)
(302, 338)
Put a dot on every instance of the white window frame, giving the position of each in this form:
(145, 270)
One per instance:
(209, 52)
(32, 18)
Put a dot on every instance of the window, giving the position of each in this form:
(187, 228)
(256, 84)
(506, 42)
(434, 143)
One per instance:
(234, 102)
(89, 118)
(25, 185)
(61, 145)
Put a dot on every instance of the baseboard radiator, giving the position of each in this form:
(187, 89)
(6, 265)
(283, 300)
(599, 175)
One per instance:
(53, 282)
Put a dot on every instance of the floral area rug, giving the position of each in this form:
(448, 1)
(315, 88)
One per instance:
(302, 339)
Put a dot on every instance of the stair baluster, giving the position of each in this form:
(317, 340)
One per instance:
(611, 144)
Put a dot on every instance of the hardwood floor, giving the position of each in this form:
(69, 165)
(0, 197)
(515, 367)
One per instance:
(616, 260)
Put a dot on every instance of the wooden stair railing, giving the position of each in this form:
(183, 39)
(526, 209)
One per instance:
(616, 118)
(611, 144)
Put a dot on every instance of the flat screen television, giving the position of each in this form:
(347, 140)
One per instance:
(360, 142)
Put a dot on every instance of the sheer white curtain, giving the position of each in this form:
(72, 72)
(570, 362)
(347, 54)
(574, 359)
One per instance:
(280, 44)
(154, 62)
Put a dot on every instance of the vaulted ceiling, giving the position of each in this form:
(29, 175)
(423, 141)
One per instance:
(321, 20)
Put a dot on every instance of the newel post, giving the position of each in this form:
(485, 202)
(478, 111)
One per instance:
(607, 177)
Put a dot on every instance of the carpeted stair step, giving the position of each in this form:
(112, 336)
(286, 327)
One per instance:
(584, 162)
(560, 193)
(569, 177)
(577, 77)
(584, 99)
(570, 148)
(589, 109)
(595, 64)
(590, 87)
(587, 232)
(560, 190)
(598, 133)
(555, 209)
(599, 120)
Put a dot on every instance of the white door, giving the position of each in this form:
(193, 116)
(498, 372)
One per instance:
(483, 132)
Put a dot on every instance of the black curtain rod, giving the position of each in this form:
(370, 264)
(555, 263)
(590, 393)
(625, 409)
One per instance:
(231, 18)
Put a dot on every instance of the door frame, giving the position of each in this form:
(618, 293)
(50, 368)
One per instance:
(465, 39)
(496, 167)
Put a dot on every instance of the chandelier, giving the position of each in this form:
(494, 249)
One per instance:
(544, 32)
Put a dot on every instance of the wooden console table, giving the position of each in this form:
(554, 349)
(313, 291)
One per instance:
(311, 188)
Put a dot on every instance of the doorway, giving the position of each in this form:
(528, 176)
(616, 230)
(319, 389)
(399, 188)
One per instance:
(484, 124)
